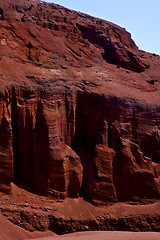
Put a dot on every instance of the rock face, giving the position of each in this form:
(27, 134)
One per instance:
(79, 106)
(41, 155)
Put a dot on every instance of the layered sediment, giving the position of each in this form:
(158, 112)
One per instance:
(79, 106)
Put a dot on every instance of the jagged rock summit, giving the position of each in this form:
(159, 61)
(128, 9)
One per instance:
(79, 106)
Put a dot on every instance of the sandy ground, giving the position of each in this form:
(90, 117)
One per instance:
(21, 199)
(107, 236)
(9, 231)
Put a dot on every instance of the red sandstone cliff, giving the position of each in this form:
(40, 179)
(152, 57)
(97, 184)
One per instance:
(80, 106)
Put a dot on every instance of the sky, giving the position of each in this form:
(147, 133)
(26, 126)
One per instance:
(139, 17)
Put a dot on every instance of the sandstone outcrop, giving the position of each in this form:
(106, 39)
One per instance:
(79, 106)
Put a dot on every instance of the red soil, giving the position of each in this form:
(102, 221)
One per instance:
(106, 236)
(9, 231)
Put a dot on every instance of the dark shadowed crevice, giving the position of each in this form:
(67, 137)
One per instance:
(107, 58)
(31, 152)
(1, 14)
(26, 137)
(1, 11)
(41, 130)
(109, 136)
(150, 145)
(80, 138)
(14, 123)
(86, 135)
(22, 130)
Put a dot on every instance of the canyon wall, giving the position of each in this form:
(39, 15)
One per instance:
(69, 144)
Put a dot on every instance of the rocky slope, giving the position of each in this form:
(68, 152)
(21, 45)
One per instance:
(33, 212)
(9, 231)
(80, 106)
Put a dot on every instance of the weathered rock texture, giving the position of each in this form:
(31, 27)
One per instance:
(79, 106)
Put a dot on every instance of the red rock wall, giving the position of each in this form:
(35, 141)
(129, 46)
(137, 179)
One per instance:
(42, 157)
(52, 142)
(108, 133)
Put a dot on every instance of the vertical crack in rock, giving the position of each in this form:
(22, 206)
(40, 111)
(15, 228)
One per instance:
(41, 151)
(41, 130)
(15, 129)
(1, 14)
(85, 138)
(22, 127)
